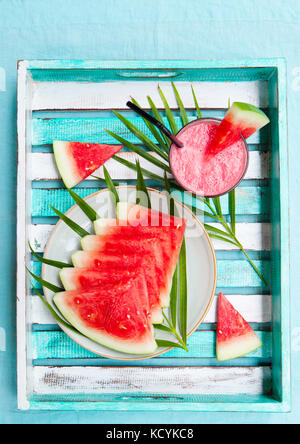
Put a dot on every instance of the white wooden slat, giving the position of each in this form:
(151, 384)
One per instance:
(23, 369)
(43, 166)
(114, 95)
(253, 236)
(151, 380)
(254, 308)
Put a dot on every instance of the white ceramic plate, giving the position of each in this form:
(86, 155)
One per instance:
(201, 262)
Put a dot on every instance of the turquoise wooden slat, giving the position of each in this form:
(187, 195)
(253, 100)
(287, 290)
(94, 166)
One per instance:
(156, 362)
(202, 344)
(93, 130)
(249, 200)
(231, 273)
(209, 403)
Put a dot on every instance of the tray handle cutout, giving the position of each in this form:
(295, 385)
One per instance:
(149, 74)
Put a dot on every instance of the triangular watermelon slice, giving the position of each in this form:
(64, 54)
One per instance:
(112, 315)
(81, 278)
(241, 119)
(76, 161)
(169, 230)
(235, 337)
(148, 250)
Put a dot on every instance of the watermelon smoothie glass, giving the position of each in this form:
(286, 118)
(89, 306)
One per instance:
(201, 174)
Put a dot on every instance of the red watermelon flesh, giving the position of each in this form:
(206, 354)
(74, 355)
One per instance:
(76, 161)
(129, 261)
(138, 215)
(84, 278)
(112, 315)
(95, 259)
(169, 230)
(149, 250)
(235, 337)
(241, 120)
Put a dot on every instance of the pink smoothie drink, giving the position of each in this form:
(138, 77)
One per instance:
(201, 174)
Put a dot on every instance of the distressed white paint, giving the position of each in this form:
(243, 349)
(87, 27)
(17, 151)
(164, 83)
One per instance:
(22, 224)
(43, 166)
(114, 95)
(254, 308)
(151, 380)
(253, 236)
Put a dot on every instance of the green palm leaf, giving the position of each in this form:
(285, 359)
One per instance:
(162, 343)
(183, 113)
(44, 283)
(153, 130)
(84, 206)
(163, 327)
(141, 152)
(199, 114)
(146, 141)
(159, 118)
(169, 113)
(143, 197)
(73, 225)
(224, 239)
(132, 166)
(58, 318)
(50, 262)
(111, 185)
(231, 201)
(183, 292)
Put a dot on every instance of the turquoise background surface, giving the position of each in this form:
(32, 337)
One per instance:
(138, 29)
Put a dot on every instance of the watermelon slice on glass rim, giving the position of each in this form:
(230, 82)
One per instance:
(235, 337)
(76, 161)
(242, 119)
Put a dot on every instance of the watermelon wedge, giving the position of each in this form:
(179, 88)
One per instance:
(241, 119)
(95, 259)
(149, 251)
(112, 315)
(85, 278)
(169, 231)
(76, 161)
(235, 337)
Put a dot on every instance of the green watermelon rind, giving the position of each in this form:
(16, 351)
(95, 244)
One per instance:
(88, 242)
(145, 348)
(65, 164)
(248, 114)
(237, 347)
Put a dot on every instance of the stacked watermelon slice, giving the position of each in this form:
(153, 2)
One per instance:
(122, 278)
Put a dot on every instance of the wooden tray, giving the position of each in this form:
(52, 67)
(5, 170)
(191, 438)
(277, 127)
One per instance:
(72, 100)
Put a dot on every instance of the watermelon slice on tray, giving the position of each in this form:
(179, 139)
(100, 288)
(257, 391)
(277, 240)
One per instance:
(235, 337)
(81, 278)
(241, 119)
(155, 231)
(149, 250)
(169, 230)
(76, 161)
(114, 315)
